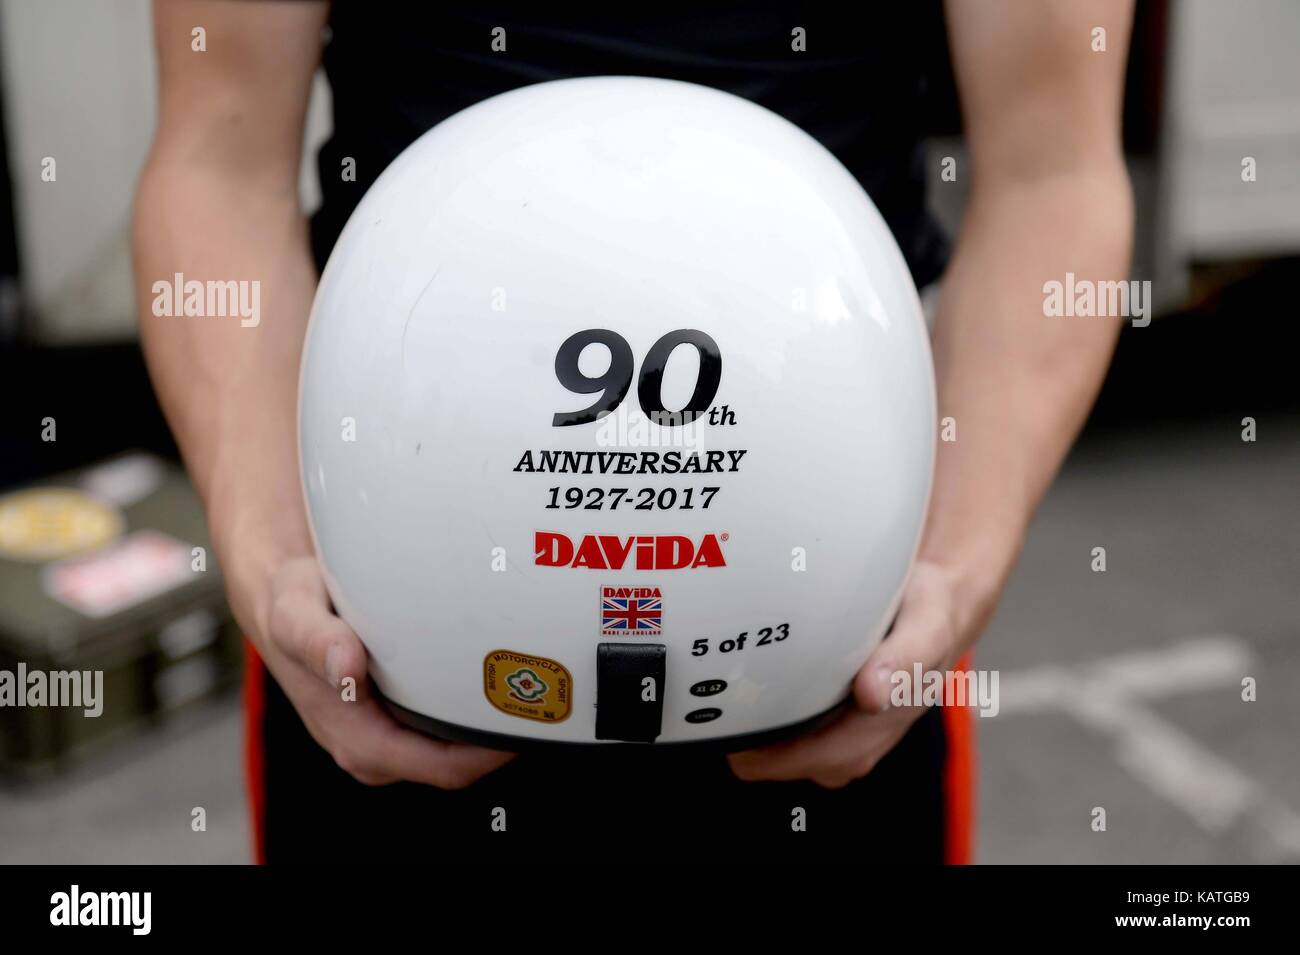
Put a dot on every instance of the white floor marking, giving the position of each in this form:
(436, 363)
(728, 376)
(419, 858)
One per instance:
(1109, 695)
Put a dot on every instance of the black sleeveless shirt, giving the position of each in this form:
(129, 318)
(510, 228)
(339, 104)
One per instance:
(859, 86)
(396, 71)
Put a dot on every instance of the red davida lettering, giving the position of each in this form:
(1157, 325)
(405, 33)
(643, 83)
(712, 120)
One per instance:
(608, 552)
(641, 593)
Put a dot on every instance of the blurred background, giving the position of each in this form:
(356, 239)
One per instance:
(1200, 526)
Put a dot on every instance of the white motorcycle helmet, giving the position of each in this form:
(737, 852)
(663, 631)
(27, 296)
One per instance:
(616, 421)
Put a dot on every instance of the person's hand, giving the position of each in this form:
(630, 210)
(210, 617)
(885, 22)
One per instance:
(311, 652)
(932, 627)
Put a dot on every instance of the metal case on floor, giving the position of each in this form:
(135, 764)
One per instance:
(110, 601)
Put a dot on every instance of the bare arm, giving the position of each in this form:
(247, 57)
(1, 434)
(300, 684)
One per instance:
(218, 201)
(1049, 195)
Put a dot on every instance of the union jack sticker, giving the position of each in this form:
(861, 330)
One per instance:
(631, 611)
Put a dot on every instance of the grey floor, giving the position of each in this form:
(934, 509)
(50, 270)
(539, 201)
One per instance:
(1120, 691)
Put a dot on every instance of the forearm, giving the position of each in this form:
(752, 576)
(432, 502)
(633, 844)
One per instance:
(228, 390)
(1017, 383)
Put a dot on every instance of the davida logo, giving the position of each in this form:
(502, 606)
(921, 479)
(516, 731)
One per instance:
(604, 552)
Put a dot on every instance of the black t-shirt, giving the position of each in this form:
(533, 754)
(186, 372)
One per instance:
(399, 69)
(860, 86)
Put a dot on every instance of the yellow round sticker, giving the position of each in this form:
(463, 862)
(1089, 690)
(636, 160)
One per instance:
(51, 522)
